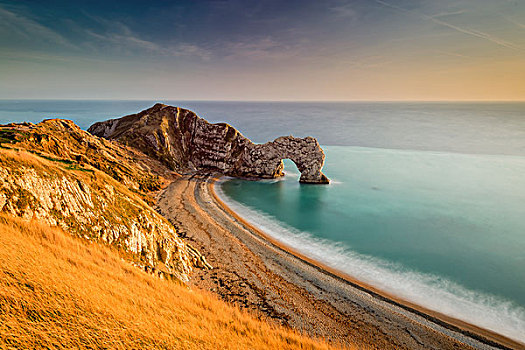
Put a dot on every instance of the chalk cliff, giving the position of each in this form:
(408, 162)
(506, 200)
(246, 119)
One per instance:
(183, 141)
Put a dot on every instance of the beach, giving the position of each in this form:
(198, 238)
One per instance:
(272, 281)
(337, 174)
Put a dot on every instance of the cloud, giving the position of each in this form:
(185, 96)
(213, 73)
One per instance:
(446, 14)
(453, 54)
(345, 11)
(191, 50)
(518, 24)
(48, 58)
(112, 36)
(23, 28)
(124, 41)
(478, 34)
(261, 49)
(121, 38)
(467, 31)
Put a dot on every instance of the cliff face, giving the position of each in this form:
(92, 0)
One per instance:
(181, 140)
(50, 172)
(63, 140)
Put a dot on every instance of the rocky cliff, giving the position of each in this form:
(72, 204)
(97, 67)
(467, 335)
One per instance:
(183, 141)
(63, 140)
(57, 173)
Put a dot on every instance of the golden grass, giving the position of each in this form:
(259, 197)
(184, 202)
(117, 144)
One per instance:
(59, 292)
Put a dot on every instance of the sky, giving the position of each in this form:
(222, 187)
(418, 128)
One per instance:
(309, 50)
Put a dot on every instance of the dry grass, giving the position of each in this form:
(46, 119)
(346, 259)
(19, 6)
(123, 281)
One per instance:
(58, 292)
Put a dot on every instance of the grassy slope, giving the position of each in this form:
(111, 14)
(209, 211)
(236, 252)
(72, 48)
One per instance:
(57, 291)
(114, 206)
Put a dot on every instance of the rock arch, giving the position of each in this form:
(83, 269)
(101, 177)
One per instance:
(182, 140)
(266, 160)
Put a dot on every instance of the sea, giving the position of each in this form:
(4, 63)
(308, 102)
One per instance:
(426, 200)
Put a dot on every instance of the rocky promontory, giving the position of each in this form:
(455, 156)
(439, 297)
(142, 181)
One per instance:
(183, 141)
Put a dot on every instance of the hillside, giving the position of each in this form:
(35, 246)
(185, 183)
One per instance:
(63, 140)
(76, 219)
(63, 176)
(59, 292)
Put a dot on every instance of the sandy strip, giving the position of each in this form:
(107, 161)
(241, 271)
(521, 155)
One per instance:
(257, 273)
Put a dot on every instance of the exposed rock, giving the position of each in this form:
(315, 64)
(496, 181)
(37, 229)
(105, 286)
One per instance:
(183, 141)
(94, 206)
(62, 140)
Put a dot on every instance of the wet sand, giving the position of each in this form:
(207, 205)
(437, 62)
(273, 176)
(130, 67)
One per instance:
(272, 281)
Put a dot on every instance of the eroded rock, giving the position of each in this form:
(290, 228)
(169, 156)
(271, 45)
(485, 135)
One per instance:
(182, 140)
(96, 207)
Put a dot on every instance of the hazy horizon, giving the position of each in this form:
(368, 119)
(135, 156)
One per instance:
(171, 99)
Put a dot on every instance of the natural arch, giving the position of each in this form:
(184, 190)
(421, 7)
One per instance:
(182, 140)
(266, 160)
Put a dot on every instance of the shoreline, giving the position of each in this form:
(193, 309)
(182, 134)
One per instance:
(484, 335)
(293, 289)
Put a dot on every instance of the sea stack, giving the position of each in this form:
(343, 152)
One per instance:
(183, 141)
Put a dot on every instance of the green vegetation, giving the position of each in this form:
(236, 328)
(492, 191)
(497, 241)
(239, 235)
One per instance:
(10, 135)
(78, 167)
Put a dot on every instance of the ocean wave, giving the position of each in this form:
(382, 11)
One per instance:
(431, 291)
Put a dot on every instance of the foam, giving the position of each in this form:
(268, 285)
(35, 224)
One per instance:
(430, 291)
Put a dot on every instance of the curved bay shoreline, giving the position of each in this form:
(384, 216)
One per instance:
(259, 274)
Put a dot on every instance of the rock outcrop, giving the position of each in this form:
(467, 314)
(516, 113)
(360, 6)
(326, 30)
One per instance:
(57, 173)
(183, 141)
(63, 140)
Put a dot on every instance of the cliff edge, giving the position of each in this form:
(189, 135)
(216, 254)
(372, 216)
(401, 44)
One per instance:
(183, 141)
(58, 174)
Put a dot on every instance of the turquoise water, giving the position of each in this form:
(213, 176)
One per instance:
(445, 230)
(427, 199)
